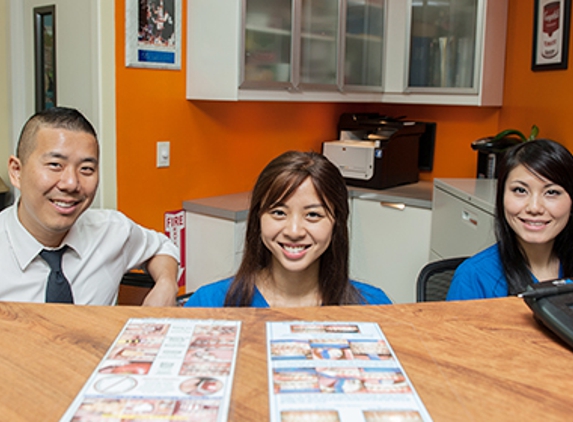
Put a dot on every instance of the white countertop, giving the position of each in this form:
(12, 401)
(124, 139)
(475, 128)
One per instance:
(480, 192)
(235, 206)
(413, 194)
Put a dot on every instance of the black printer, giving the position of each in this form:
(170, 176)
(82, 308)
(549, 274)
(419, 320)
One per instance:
(378, 152)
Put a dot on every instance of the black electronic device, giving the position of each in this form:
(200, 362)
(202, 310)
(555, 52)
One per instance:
(363, 124)
(552, 304)
(378, 152)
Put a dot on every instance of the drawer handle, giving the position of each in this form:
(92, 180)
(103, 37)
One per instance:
(467, 216)
(396, 205)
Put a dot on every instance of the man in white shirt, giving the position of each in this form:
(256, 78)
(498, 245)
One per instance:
(56, 171)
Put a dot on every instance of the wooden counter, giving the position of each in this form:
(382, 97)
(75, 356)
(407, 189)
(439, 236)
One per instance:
(469, 361)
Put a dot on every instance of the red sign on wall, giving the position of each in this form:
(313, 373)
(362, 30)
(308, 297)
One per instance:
(175, 230)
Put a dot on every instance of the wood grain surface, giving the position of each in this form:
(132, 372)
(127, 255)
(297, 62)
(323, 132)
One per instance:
(485, 360)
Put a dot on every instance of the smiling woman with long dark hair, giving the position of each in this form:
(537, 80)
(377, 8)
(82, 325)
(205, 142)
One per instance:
(296, 246)
(533, 225)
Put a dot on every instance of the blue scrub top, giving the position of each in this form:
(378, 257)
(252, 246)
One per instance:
(213, 295)
(482, 277)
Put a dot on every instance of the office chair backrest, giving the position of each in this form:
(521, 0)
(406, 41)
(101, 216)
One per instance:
(135, 285)
(435, 278)
(133, 288)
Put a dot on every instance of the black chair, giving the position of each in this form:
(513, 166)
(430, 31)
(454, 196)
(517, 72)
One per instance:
(434, 279)
(134, 287)
(182, 299)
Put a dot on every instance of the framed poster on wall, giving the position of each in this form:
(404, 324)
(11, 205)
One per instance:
(45, 57)
(153, 34)
(551, 34)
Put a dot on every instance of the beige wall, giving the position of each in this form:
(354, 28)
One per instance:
(5, 115)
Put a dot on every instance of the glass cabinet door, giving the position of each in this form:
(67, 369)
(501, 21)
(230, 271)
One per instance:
(443, 44)
(313, 44)
(364, 43)
(319, 42)
(268, 43)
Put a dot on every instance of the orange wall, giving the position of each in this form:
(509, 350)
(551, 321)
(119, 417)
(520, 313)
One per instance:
(220, 147)
(543, 98)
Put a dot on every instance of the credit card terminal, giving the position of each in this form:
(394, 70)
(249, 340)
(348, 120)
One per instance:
(552, 304)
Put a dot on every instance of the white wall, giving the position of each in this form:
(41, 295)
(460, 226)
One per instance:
(85, 72)
(5, 114)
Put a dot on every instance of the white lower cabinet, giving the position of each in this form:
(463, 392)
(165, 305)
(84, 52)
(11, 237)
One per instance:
(463, 221)
(214, 249)
(389, 245)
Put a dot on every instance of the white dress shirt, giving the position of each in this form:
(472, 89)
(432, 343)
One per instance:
(103, 245)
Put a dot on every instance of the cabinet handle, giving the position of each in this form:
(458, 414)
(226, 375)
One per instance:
(396, 205)
(469, 217)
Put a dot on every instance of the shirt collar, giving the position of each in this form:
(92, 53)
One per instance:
(26, 247)
(75, 239)
(259, 300)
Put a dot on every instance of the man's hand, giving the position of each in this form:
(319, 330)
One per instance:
(163, 269)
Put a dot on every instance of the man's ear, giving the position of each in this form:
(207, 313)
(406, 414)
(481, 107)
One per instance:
(14, 170)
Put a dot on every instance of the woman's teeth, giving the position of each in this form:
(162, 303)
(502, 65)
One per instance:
(535, 223)
(294, 249)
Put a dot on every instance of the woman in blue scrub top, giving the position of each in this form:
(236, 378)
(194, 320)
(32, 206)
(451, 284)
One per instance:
(296, 245)
(533, 227)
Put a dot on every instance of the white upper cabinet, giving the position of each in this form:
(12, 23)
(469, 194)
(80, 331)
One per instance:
(446, 52)
(397, 51)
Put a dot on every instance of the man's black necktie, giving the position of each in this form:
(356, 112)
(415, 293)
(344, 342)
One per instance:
(58, 289)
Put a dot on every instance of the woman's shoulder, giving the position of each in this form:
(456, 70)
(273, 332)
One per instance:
(210, 295)
(488, 257)
(372, 295)
(488, 253)
(480, 276)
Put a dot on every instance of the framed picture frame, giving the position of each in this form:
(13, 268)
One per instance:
(552, 20)
(153, 34)
(45, 57)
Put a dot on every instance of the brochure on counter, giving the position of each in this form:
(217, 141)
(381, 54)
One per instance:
(337, 372)
(163, 369)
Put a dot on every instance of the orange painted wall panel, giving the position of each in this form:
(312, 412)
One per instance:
(543, 97)
(220, 147)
